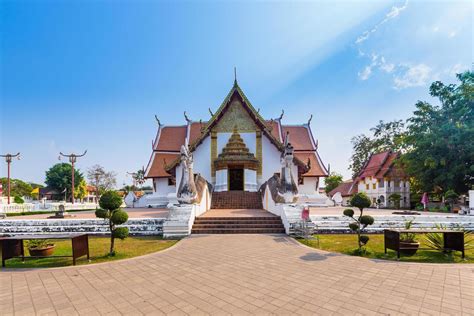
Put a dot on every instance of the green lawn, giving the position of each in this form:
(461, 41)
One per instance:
(347, 243)
(98, 248)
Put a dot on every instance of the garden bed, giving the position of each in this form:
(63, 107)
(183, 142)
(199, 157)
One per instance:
(347, 243)
(98, 247)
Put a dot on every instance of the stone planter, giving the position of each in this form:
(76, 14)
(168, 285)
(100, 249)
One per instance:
(41, 252)
(410, 248)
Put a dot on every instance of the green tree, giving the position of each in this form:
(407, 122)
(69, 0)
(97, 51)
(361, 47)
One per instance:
(385, 136)
(80, 191)
(110, 203)
(58, 177)
(18, 187)
(439, 142)
(332, 181)
(451, 197)
(361, 201)
(395, 198)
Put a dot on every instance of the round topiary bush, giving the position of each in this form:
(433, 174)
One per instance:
(360, 200)
(120, 232)
(366, 220)
(110, 200)
(364, 239)
(119, 217)
(354, 226)
(101, 213)
(348, 212)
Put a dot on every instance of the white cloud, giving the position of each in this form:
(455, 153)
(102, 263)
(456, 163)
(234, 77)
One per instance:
(413, 76)
(455, 69)
(394, 12)
(452, 34)
(365, 74)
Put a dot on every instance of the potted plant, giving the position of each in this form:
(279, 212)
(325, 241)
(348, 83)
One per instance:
(408, 244)
(40, 248)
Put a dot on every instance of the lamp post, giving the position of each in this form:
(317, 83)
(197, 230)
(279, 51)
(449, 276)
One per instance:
(72, 160)
(9, 159)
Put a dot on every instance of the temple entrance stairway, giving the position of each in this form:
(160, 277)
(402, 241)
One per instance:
(237, 212)
(236, 200)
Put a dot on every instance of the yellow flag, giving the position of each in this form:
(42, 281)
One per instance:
(35, 191)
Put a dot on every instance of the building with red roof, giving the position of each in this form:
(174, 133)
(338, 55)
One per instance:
(381, 176)
(261, 145)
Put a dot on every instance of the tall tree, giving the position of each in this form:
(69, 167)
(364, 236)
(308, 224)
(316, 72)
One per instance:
(101, 178)
(332, 181)
(385, 136)
(58, 177)
(18, 187)
(440, 146)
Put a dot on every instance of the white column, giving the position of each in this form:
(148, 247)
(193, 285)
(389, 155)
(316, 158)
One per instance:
(250, 178)
(221, 180)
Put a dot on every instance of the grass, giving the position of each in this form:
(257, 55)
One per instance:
(347, 243)
(46, 212)
(98, 249)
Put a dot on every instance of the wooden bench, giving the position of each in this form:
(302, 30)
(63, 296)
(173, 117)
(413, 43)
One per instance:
(453, 239)
(13, 246)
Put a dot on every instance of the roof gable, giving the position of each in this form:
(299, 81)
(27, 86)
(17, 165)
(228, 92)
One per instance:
(236, 101)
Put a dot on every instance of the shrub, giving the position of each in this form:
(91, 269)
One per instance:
(408, 237)
(361, 201)
(18, 199)
(395, 199)
(110, 203)
(451, 197)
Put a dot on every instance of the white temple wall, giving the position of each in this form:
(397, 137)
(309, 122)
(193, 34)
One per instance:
(162, 187)
(308, 186)
(201, 158)
(271, 160)
(221, 180)
(250, 178)
(178, 177)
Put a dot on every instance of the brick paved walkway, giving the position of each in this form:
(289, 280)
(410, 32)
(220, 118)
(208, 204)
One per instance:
(241, 274)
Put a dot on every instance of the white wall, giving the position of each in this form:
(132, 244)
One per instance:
(162, 187)
(202, 159)
(271, 160)
(309, 185)
(250, 177)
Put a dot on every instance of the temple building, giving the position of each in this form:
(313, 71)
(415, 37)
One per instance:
(236, 150)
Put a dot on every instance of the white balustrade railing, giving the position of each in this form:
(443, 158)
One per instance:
(42, 207)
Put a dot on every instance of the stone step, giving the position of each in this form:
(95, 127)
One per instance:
(249, 219)
(250, 225)
(236, 199)
(239, 231)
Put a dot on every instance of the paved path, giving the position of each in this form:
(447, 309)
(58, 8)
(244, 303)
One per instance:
(241, 274)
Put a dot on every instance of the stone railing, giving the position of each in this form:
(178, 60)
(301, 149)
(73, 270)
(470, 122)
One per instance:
(47, 207)
(137, 226)
(339, 223)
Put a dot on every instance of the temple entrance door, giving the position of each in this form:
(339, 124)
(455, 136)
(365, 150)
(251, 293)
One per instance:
(236, 179)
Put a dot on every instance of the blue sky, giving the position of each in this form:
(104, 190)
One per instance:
(91, 75)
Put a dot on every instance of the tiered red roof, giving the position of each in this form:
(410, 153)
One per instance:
(381, 165)
(166, 148)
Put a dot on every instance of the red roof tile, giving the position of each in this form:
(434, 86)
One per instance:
(381, 165)
(171, 138)
(157, 168)
(275, 126)
(195, 131)
(346, 188)
(299, 137)
(316, 170)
